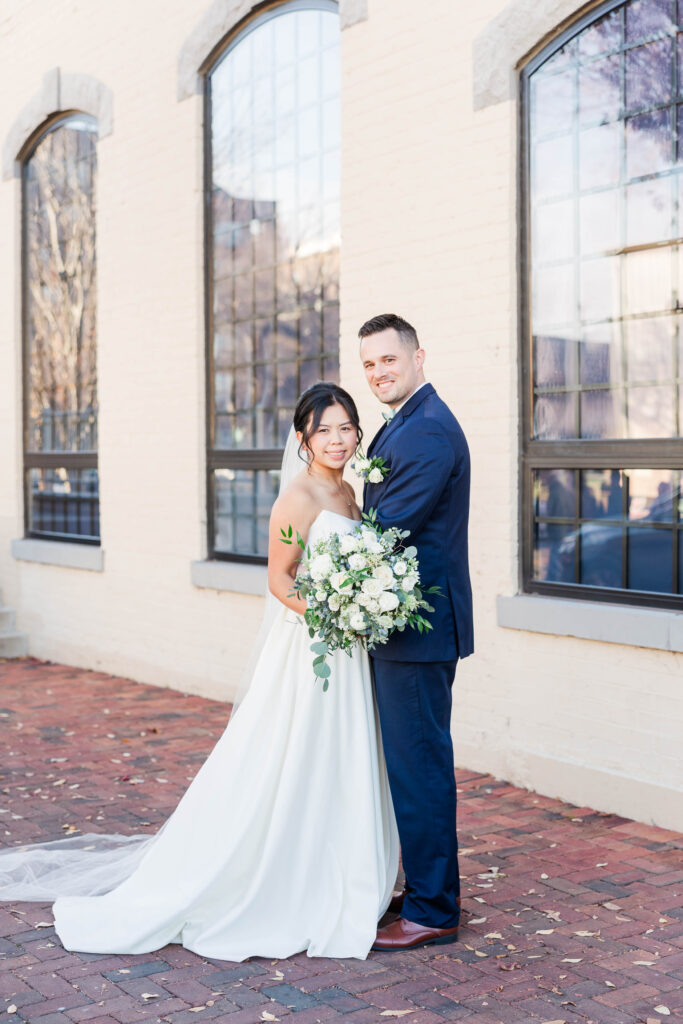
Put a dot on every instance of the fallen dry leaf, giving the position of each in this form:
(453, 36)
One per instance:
(610, 984)
(663, 1010)
(11, 1008)
(611, 906)
(493, 935)
(196, 1009)
(278, 976)
(643, 963)
(545, 931)
(572, 960)
(477, 920)
(395, 1013)
(554, 1022)
(43, 924)
(150, 995)
(268, 1016)
(585, 935)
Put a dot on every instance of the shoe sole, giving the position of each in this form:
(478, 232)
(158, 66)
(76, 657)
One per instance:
(442, 940)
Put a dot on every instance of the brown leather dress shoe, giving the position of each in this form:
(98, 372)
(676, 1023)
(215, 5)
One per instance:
(404, 934)
(396, 902)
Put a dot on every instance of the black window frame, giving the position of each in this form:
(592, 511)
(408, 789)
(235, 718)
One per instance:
(572, 454)
(31, 459)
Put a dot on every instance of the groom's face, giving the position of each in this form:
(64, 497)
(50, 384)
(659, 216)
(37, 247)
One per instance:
(392, 369)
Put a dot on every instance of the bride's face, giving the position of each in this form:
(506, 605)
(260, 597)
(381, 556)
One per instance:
(335, 440)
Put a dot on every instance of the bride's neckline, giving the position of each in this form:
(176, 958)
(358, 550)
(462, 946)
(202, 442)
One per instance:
(340, 514)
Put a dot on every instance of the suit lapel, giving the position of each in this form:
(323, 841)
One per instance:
(380, 439)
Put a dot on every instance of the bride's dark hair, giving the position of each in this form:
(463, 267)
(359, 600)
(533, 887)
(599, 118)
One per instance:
(312, 404)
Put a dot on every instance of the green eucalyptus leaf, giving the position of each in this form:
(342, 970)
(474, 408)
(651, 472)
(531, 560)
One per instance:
(321, 647)
(323, 670)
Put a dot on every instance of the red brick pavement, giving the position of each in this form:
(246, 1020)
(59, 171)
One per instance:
(571, 915)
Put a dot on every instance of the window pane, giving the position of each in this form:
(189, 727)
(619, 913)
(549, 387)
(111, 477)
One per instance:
(275, 149)
(650, 565)
(554, 552)
(60, 289)
(269, 176)
(63, 504)
(242, 502)
(620, 537)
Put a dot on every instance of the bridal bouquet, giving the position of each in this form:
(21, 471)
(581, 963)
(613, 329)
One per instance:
(359, 587)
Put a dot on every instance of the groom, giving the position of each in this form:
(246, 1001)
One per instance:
(426, 491)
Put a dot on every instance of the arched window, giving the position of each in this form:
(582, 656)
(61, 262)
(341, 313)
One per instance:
(272, 117)
(602, 323)
(59, 313)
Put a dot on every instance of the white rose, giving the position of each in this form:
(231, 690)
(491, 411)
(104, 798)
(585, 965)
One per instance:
(320, 566)
(357, 621)
(372, 606)
(370, 542)
(348, 543)
(375, 476)
(360, 464)
(357, 562)
(333, 601)
(384, 574)
(320, 595)
(388, 601)
(408, 582)
(372, 587)
(385, 621)
(336, 580)
(400, 568)
(352, 608)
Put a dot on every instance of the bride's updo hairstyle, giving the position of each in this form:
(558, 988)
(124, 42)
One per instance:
(311, 406)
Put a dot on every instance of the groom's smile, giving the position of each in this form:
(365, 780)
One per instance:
(392, 369)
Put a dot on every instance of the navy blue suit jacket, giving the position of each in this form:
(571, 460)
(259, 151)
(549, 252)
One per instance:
(427, 491)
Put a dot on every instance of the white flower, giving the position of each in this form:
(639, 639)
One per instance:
(333, 601)
(400, 568)
(372, 606)
(411, 602)
(370, 542)
(360, 464)
(385, 621)
(409, 581)
(357, 621)
(348, 543)
(384, 574)
(357, 562)
(320, 595)
(336, 580)
(321, 566)
(372, 587)
(388, 601)
(352, 608)
(375, 476)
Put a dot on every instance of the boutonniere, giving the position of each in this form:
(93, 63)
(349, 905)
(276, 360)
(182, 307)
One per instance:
(373, 471)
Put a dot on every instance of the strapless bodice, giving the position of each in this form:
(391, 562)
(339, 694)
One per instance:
(327, 522)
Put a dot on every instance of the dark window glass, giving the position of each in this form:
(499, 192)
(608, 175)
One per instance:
(59, 260)
(273, 255)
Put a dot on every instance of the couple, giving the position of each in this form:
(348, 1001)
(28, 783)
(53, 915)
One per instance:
(287, 838)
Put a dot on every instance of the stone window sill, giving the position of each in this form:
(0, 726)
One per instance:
(661, 629)
(238, 577)
(61, 553)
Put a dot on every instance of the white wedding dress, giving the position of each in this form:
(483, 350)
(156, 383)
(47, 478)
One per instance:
(285, 840)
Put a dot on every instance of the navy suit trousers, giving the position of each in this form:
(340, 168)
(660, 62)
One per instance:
(414, 702)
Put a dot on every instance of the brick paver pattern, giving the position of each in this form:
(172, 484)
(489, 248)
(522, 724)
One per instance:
(570, 915)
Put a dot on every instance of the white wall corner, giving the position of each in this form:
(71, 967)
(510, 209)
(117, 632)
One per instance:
(352, 11)
(59, 91)
(499, 48)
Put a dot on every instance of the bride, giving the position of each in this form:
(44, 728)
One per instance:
(286, 839)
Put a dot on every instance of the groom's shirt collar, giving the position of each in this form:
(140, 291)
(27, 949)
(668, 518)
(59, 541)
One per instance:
(399, 407)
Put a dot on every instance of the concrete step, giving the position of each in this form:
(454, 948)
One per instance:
(13, 644)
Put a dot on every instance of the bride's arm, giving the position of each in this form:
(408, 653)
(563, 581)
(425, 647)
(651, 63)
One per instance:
(291, 509)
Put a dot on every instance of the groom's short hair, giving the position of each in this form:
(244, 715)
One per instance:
(405, 331)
